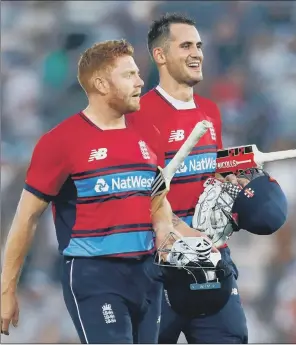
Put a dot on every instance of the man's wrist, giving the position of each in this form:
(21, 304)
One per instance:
(7, 291)
(8, 287)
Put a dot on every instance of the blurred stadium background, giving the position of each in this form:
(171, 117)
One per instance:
(249, 70)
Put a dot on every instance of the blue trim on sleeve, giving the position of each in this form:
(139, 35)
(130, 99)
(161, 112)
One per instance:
(36, 192)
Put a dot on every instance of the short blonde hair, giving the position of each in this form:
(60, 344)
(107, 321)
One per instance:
(99, 57)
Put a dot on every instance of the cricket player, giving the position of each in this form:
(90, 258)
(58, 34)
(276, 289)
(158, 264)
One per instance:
(176, 48)
(97, 172)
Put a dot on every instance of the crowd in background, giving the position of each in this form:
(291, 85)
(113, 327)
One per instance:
(249, 71)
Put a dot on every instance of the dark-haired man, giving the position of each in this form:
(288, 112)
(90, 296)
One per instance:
(176, 47)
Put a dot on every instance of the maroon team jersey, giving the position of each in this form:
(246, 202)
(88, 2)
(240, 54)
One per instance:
(175, 126)
(99, 182)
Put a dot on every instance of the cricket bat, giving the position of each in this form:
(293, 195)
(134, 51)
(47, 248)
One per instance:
(161, 184)
(233, 160)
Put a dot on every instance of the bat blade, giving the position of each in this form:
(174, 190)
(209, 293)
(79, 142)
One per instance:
(161, 184)
(236, 159)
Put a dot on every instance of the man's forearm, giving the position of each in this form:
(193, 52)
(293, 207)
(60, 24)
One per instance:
(182, 227)
(162, 221)
(20, 238)
(165, 221)
(18, 243)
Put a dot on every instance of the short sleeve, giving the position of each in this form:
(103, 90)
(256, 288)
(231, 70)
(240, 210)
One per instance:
(48, 169)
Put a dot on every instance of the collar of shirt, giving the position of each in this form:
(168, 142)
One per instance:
(179, 105)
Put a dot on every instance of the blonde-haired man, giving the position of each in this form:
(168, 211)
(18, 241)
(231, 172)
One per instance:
(97, 172)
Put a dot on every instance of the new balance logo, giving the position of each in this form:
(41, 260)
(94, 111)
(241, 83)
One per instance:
(108, 313)
(144, 149)
(97, 154)
(176, 135)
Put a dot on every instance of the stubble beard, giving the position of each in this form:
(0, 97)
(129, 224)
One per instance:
(193, 81)
(183, 79)
(122, 104)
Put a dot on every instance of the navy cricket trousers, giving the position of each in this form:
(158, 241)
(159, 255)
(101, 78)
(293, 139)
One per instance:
(228, 326)
(113, 300)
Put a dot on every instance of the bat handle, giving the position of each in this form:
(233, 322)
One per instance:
(198, 131)
(276, 156)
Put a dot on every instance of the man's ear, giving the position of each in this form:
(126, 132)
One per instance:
(159, 56)
(100, 84)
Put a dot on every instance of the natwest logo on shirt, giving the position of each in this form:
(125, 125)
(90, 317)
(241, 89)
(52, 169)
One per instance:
(182, 168)
(101, 186)
(197, 164)
(132, 182)
(118, 184)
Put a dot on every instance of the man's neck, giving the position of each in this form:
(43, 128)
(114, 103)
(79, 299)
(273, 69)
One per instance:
(104, 117)
(181, 92)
